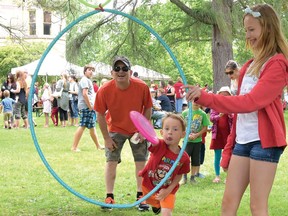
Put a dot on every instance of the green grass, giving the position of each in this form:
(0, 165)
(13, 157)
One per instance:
(27, 187)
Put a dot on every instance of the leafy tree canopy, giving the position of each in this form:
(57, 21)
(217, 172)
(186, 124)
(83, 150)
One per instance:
(15, 55)
(186, 26)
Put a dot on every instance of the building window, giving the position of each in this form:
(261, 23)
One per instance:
(47, 23)
(32, 22)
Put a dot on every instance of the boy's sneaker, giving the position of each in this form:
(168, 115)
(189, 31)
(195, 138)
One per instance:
(108, 200)
(143, 206)
(156, 210)
(200, 175)
(192, 180)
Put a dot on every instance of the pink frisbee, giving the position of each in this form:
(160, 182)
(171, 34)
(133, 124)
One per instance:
(144, 127)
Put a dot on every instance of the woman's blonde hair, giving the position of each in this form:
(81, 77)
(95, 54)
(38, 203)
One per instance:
(20, 78)
(272, 39)
(65, 76)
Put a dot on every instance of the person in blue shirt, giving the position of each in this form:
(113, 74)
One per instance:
(164, 100)
(7, 106)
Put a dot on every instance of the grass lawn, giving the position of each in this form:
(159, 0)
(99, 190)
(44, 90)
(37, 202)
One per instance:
(28, 188)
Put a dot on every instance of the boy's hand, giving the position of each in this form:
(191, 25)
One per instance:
(163, 193)
(193, 136)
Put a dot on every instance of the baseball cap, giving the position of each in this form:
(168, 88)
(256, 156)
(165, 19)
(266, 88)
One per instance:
(122, 59)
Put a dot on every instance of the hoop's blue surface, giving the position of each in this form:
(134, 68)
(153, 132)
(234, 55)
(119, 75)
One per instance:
(68, 27)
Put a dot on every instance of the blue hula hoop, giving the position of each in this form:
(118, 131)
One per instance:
(52, 172)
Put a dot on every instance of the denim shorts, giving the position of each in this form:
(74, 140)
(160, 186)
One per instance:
(255, 151)
(73, 106)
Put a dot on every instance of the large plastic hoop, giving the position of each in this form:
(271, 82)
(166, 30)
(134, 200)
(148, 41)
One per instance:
(93, 6)
(68, 27)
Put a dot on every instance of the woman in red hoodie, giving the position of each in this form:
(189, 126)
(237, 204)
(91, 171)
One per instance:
(258, 135)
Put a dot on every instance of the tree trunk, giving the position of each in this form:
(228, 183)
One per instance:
(221, 47)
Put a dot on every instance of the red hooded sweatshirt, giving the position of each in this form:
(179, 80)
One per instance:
(264, 97)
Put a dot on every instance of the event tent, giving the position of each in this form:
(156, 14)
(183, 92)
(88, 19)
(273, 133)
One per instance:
(148, 74)
(54, 65)
(104, 70)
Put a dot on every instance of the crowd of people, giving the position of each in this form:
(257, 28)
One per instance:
(58, 100)
(245, 120)
(14, 93)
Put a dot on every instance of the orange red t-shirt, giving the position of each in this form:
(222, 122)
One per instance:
(118, 104)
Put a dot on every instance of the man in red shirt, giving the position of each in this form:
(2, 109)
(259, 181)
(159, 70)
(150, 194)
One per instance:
(179, 93)
(114, 102)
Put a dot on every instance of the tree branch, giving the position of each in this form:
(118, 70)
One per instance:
(75, 45)
(197, 14)
(12, 31)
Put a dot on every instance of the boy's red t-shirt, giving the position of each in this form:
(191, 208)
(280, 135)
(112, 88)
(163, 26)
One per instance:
(160, 162)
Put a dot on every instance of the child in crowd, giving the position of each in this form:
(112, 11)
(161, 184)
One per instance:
(162, 157)
(203, 148)
(46, 96)
(221, 128)
(202, 154)
(157, 112)
(7, 106)
(54, 112)
(199, 126)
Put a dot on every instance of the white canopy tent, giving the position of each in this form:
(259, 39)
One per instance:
(104, 70)
(148, 74)
(54, 65)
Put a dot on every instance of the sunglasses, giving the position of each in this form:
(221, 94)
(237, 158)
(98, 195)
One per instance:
(230, 72)
(117, 69)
